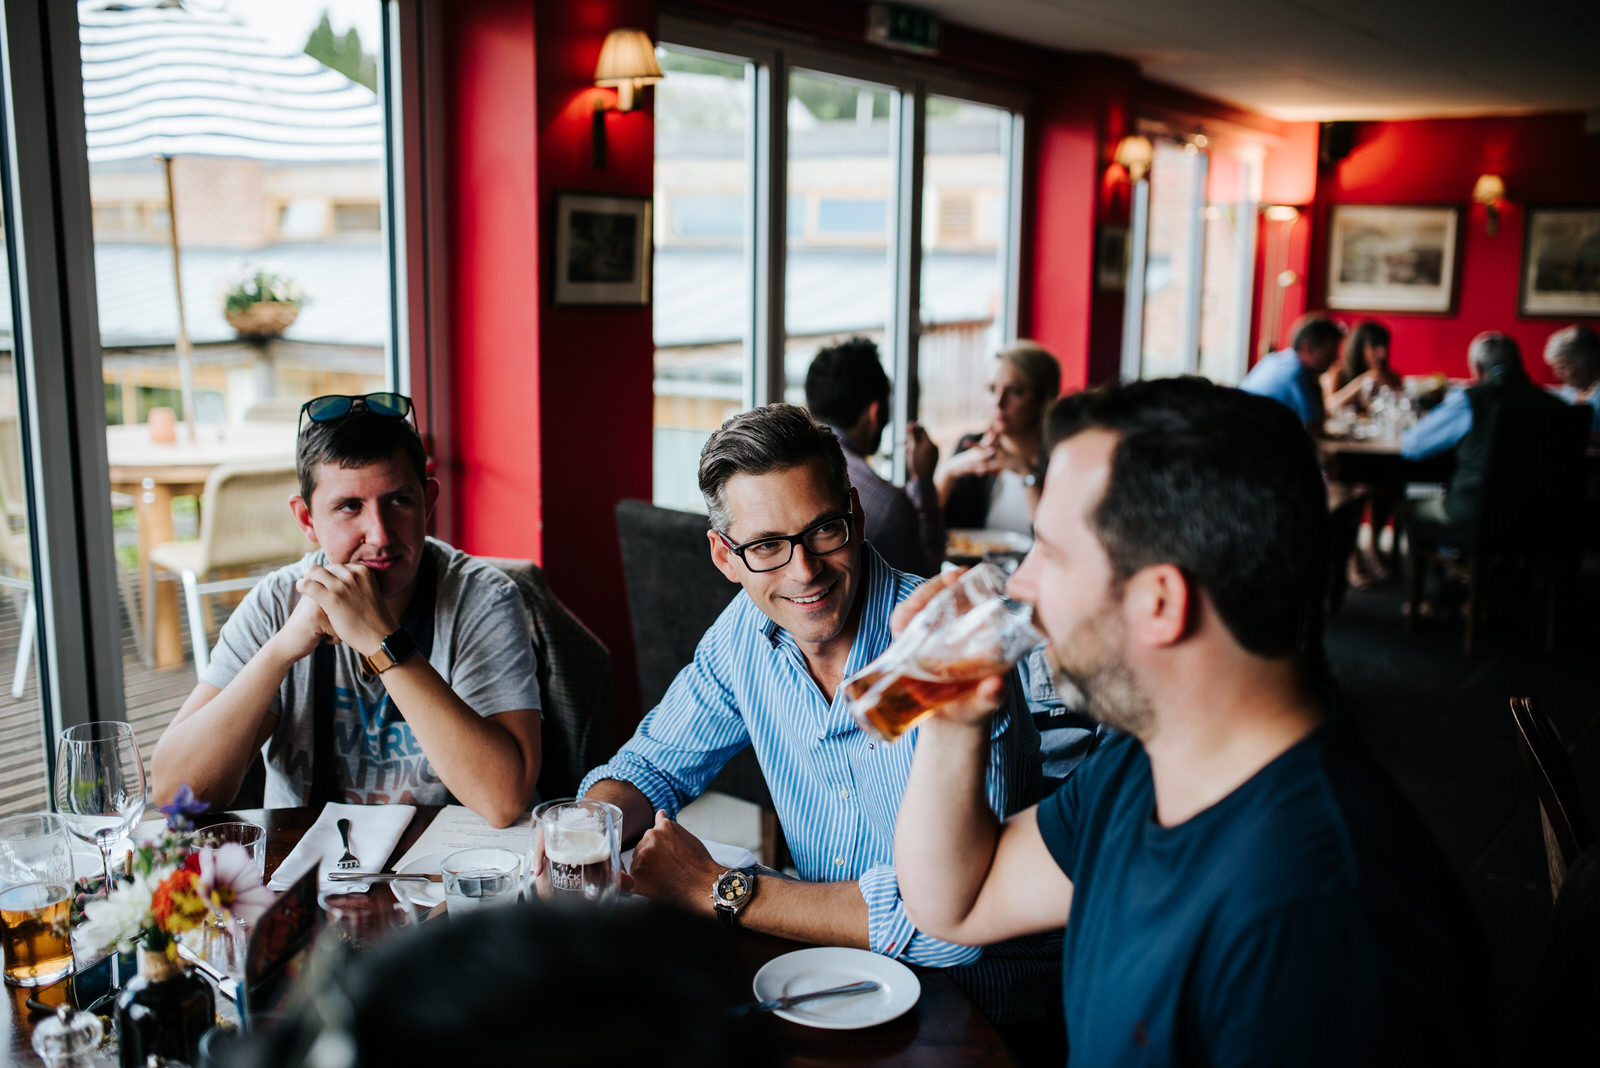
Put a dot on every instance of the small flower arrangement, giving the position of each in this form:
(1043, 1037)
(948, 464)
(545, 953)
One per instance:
(247, 285)
(171, 888)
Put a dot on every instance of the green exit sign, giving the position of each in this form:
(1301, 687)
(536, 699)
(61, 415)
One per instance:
(905, 28)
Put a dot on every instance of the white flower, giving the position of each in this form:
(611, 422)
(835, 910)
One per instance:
(230, 883)
(116, 920)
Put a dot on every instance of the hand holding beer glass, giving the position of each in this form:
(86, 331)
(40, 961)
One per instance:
(576, 853)
(35, 899)
(966, 633)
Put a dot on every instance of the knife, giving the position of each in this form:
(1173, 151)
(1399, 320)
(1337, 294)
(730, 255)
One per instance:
(381, 876)
(774, 1004)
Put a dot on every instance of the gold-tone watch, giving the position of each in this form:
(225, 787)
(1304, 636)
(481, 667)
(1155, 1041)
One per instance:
(393, 649)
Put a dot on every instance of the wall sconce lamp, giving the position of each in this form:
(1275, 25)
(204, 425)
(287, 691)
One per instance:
(627, 63)
(1489, 192)
(1135, 153)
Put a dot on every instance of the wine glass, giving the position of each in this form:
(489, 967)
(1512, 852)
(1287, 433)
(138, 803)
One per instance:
(100, 789)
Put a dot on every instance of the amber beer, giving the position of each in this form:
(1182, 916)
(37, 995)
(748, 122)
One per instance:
(890, 709)
(35, 933)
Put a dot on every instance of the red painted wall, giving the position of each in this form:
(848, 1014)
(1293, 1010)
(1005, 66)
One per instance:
(553, 405)
(493, 282)
(1075, 189)
(1545, 160)
(596, 365)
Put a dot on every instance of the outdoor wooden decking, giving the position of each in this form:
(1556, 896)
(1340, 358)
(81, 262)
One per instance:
(152, 698)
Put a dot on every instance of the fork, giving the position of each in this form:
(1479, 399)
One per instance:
(349, 859)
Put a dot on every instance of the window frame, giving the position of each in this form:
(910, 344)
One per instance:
(775, 54)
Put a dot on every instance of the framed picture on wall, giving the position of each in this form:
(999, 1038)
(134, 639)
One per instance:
(602, 250)
(1561, 262)
(1392, 257)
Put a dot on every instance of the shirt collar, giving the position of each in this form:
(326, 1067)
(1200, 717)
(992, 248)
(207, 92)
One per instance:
(872, 631)
(846, 442)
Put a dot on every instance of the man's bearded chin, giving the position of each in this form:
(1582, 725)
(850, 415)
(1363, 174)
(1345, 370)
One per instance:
(1105, 691)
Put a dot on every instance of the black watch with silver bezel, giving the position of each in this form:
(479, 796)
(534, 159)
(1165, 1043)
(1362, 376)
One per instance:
(732, 892)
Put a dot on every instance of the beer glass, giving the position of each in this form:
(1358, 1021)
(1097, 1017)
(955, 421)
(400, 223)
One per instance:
(100, 789)
(577, 850)
(480, 877)
(35, 899)
(967, 633)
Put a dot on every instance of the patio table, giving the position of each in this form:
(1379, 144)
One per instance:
(154, 474)
(944, 1028)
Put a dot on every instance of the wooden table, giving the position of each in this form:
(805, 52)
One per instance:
(945, 1027)
(1374, 461)
(153, 474)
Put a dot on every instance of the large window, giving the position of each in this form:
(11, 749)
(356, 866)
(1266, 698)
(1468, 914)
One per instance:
(801, 200)
(702, 259)
(1196, 217)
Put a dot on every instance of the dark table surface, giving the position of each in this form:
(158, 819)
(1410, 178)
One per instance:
(944, 1028)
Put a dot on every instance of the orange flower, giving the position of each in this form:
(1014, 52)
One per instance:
(176, 906)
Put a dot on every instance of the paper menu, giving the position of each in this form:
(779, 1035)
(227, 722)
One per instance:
(458, 827)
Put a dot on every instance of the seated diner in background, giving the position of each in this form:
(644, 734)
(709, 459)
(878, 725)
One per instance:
(814, 608)
(1362, 374)
(1239, 881)
(1290, 376)
(991, 480)
(847, 389)
(1461, 423)
(1361, 370)
(385, 667)
(1573, 353)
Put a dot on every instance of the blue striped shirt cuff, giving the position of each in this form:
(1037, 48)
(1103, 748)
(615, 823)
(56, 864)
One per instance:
(625, 767)
(890, 931)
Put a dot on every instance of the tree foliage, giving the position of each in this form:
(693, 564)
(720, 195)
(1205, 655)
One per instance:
(343, 52)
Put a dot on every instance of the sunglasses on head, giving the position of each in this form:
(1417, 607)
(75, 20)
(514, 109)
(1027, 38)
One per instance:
(337, 406)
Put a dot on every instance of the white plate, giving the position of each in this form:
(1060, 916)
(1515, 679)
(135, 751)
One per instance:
(806, 970)
(86, 857)
(421, 895)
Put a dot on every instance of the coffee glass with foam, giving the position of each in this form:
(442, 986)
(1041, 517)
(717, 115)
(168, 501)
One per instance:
(575, 851)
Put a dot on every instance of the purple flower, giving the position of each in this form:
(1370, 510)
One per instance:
(182, 806)
(230, 883)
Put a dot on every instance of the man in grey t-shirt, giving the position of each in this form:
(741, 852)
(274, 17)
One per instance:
(421, 654)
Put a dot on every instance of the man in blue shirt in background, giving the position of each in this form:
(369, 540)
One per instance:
(1239, 881)
(1461, 422)
(1290, 376)
(814, 609)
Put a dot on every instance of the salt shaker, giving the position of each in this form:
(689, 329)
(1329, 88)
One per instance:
(68, 1039)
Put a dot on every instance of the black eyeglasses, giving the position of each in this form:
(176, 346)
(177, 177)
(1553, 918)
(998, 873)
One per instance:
(825, 536)
(337, 406)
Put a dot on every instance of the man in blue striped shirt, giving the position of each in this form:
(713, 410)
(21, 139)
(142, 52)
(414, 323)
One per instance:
(815, 607)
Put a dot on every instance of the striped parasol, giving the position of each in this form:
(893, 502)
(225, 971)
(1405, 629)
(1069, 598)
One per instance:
(166, 78)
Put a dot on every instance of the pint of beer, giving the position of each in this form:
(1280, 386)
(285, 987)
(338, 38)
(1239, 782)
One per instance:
(35, 933)
(35, 899)
(579, 843)
(966, 634)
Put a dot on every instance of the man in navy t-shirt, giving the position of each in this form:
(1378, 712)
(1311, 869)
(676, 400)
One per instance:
(1239, 882)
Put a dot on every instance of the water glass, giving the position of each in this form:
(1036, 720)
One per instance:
(576, 850)
(35, 899)
(249, 835)
(479, 878)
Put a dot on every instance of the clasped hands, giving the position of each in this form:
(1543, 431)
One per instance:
(338, 603)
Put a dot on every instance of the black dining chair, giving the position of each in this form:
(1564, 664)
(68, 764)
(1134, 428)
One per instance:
(1530, 514)
(675, 593)
(1567, 830)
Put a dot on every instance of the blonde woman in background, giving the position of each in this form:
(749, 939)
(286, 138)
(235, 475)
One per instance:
(992, 480)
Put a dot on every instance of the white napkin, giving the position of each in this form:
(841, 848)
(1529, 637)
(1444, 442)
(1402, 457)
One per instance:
(729, 856)
(374, 830)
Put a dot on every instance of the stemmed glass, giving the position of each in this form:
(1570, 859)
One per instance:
(100, 789)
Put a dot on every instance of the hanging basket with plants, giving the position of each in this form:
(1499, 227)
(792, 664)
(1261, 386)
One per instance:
(261, 303)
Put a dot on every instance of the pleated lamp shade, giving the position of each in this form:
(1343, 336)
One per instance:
(628, 62)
